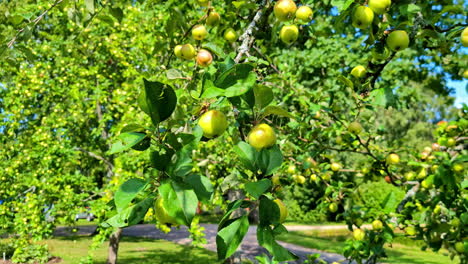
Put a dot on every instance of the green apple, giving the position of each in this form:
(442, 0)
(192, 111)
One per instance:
(422, 173)
(451, 142)
(230, 35)
(178, 52)
(465, 74)
(355, 128)
(358, 234)
(393, 159)
(313, 177)
(398, 40)
(464, 37)
(457, 167)
(275, 180)
(335, 166)
(426, 184)
(304, 14)
(326, 176)
(460, 247)
(377, 225)
(358, 221)
(359, 71)
(284, 10)
(299, 179)
(213, 123)
(333, 207)
(437, 209)
(410, 230)
(455, 222)
(291, 169)
(362, 17)
(213, 19)
(283, 210)
(204, 58)
(379, 6)
(289, 34)
(199, 32)
(188, 52)
(409, 176)
(161, 214)
(262, 136)
(203, 2)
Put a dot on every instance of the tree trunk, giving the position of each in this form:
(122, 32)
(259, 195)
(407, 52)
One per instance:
(114, 246)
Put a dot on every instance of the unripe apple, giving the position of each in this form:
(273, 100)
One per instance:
(204, 58)
(188, 52)
(379, 6)
(359, 235)
(426, 184)
(335, 166)
(213, 123)
(304, 14)
(409, 176)
(457, 167)
(161, 214)
(465, 74)
(359, 71)
(363, 17)
(178, 51)
(275, 180)
(291, 169)
(398, 40)
(464, 37)
(230, 35)
(393, 159)
(213, 19)
(437, 209)
(326, 176)
(284, 10)
(455, 222)
(460, 247)
(203, 2)
(313, 177)
(355, 128)
(262, 136)
(358, 222)
(451, 142)
(411, 230)
(422, 173)
(377, 225)
(300, 179)
(333, 207)
(283, 210)
(289, 34)
(199, 32)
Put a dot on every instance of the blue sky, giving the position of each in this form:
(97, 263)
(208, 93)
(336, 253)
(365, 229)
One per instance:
(461, 91)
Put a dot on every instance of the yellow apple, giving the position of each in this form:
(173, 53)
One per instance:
(355, 128)
(213, 19)
(411, 230)
(161, 214)
(230, 35)
(398, 40)
(283, 210)
(213, 123)
(426, 184)
(203, 2)
(379, 6)
(291, 169)
(289, 34)
(377, 225)
(333, 207)
(460, 247)
(409, 176)
(362, 17)
(359, 71)
(335, 166)
(457, 167)
(393, 159)
(464, 37)
(359, 235)
(284, 10)
(188, 52)
(262, 136)
(199, 32)
(275, 180)
(304, 14)
(204, 58)
(178, 52)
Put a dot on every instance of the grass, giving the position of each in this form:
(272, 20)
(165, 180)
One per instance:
(132, 250)
(404, 251)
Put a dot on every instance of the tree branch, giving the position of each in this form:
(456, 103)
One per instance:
(96, 156)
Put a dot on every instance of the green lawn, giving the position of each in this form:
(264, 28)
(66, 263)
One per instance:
(407, 251)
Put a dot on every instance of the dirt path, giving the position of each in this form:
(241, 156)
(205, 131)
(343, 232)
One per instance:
(248, 249)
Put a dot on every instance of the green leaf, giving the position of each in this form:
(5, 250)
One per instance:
(162, 158)
(230, 76)
(172, 74)
(241, 86)
(266, 239)
(230, 209)
(263, 96)
(131, 215)
(127, 192)
(247, 155)
(276, 110)
(270, 159)
(180, 201)
(342, 4)
(346, 81)
(269, 211)
(202, 186)
(257, 188)
(382, 97)
(229, 238)
(390, 203)
(158, 100)
(126, 141)
(117, 13)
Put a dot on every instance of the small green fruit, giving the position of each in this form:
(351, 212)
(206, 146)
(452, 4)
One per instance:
(230, 35)
(359, 235)
(333, 207)
(398, 40)
(283, 210)
(409, 176)
(262, 136)
(178, 51)
(457, 167)
(213, 123)
(304, 14)
(199, 32)
(377, 225)
(161, 214)
(393, 159)
(188, 52)
(359, 71)
(289, 34)
(460, 247)
(411, 230)
(213, 19)
(355, 128)
(284, 10)
(291, 169)
(379, 6)
(464, 37)
(362, 17)
(335, 166)
(426, 184)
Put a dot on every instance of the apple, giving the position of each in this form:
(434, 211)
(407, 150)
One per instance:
(422, 173)
(358, 221)
(409, 176)
(213, 123)
(289, 34)
(455, 222)
(398, 40)
(333, 207)
(355, 128)
(410, 230)
(299, 179)
(291, 169)
(464, 37)
(199, 32)
(359, 71)
(304, 14)
(262, 136)
(460, 247)
(377, 225)
(284, 10)
(275, 180)
(426, 184)
(178, 52)
(335, 166)
(188, 51)
(313, 177)
(283, 210)
(393, 159)
(213, 19)
(204, 58)
(379, 6)
(326, 176)
(362, 17)
(451, 142)
(203, 2)
(230, 35)
(161, 214)
(465, 74)
(457, 167)
(358, 234)
(437, 209)
(388, 179)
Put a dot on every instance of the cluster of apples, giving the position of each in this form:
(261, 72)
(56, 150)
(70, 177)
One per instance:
(363, 17)
(214, 123)
(286, 10)
(188, 51)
